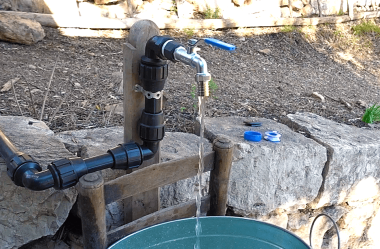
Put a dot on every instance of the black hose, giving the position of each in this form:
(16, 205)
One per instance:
(7, 149)
(24, 171)
(335, 226)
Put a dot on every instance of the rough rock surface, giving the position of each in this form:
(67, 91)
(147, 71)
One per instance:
(92, 142)
(178, 145)
(26, 215)
(19, 30)
(354, 158)
(266, 176)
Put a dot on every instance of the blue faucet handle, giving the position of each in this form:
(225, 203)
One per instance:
(220, 44)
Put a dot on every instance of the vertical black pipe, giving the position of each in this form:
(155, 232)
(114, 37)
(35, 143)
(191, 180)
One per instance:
(153, 106)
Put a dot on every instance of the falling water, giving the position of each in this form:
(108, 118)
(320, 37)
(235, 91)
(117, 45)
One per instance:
(198, 184)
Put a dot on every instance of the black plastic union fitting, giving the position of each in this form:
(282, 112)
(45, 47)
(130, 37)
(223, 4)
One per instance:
(153, 74)
(153, 48)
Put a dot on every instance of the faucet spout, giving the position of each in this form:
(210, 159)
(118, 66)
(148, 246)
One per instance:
(195, 60)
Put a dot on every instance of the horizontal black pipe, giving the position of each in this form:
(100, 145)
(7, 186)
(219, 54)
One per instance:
(64, 173)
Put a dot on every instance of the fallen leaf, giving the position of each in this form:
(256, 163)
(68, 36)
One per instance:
(7, 86)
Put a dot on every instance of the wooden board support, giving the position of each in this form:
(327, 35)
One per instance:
(166, 23)
(148, 202)
(180, 211)
(155, 175)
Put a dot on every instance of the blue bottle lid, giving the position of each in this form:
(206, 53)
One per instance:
(252, 136)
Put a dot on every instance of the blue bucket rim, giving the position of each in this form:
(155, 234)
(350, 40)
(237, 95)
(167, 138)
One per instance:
(211, 217)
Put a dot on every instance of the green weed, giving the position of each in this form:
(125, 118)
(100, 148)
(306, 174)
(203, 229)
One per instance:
(189, 32)
(182, 108)
(371, 114)
(212, 14)
(366, 27)
(338, 33)
(340, 13)
(213, 87)
(288, 28)
(173, 8)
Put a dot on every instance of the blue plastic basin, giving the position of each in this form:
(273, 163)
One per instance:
(217, 232)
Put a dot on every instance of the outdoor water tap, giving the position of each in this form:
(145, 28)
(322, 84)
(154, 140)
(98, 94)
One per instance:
(190, 57)
(165, 48)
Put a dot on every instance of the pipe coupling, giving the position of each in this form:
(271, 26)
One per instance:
(202, 80)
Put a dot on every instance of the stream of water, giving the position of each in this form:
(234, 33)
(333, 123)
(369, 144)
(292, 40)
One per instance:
(198, 183)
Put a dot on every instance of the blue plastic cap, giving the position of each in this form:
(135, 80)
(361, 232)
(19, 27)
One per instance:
(220, 44)
(252, 136)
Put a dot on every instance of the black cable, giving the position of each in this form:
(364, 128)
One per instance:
(334, 223)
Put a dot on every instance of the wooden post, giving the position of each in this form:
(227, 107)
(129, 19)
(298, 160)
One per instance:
(93, 211)
(219, 177)
(351, 9)
(139, 34)
(290, 8)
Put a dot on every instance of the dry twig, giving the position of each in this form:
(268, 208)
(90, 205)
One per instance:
(31, 96)
(47, 90)
(14, 93)
(58, 107)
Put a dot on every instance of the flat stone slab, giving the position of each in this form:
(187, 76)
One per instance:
(27, 215)
(266, 176)
(354, 158)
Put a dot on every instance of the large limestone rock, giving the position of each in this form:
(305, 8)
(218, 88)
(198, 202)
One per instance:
(329, 7)
(93, 142)
(266, 176)
(19, 30)
(66, 7)
(26, 215)
(178, 145)
(354, 159)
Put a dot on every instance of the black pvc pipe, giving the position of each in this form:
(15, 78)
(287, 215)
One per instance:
(153, 106)
(101, 162)
(7, 149)
(37, 181)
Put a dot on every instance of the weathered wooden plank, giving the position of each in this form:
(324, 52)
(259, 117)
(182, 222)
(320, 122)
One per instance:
(148, 202)
(220, 176)
(179, 211)
(155, 176)
(167, 23)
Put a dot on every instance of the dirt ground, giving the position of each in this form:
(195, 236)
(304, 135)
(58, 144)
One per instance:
(271, 74)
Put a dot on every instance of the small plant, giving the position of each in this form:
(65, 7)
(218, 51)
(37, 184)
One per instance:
(212, 14)
(173, 8)
(338, 33)
(213, 87)
(288, 28)
(182, 109)
(371, 114)
(340, 13)
(189, 32)
(366, 27)
(193, 91)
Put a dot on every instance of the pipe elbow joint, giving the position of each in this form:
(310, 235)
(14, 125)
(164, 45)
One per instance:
(37, 181)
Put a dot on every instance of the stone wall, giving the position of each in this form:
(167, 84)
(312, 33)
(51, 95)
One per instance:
(186, 8)
(319, 167)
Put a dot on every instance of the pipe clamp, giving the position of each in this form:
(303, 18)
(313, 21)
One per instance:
(148, 94)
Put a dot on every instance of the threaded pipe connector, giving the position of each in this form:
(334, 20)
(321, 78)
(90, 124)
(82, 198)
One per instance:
(203, 89)
(202, 80)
